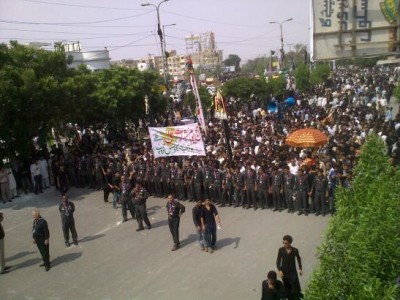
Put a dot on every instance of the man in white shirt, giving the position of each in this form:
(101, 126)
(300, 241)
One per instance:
(44, 167)
(36, 176)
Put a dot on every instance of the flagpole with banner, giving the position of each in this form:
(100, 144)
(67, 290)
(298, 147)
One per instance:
(199, 110)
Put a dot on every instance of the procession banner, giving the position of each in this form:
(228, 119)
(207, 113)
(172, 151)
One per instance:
(177, 141)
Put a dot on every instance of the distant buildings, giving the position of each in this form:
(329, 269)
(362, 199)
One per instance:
(201, 48)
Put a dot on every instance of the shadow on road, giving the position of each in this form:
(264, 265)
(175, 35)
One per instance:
(91, 238)
(190, 239)
(159, 224)
(228, 241)
(19, 255)
(152, 210)
(66, 258)
(28, 263)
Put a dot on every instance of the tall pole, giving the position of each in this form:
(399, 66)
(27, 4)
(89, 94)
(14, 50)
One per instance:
(282, 49)
(160, 34)
(165, 46)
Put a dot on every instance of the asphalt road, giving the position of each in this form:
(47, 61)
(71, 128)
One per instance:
(113, 261)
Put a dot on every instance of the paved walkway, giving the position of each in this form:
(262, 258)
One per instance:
(113, 261)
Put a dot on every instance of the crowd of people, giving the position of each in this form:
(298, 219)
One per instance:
(261, 172)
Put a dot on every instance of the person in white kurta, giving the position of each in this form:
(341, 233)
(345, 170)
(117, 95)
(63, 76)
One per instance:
(12, 183)
(44, 170)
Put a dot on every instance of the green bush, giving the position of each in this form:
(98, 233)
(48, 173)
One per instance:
(360, 255)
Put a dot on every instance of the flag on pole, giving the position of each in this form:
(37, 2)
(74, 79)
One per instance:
(199, 107)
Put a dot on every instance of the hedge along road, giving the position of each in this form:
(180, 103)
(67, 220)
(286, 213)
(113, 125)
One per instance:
(113, 261)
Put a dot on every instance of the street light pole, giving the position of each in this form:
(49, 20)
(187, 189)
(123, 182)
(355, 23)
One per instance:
(165, 45)
(282, 49)
(160, 34)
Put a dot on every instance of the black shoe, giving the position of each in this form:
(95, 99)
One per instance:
(7, 268)
(176, 247)
(67, 244)
(124, 220)
(306, 213)
(47, 268)
(300, 213)
(317, 213)
(275, 209)
(148, 227)
(4, 272)
(10, 200)
(41, 265)
(76, 243)
(140, 229)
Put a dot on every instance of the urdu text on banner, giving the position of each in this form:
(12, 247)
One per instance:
(177, 141)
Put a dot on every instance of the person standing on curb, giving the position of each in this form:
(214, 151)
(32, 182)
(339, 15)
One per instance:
(41, 236)
(67, 210)
(208, 217)
(175, 210)
(286, 265)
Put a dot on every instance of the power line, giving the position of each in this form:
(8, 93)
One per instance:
(83, 6)
(211, 21)
(74, 23)
(66, 32)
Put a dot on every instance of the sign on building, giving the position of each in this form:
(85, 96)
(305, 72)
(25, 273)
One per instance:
(353, 28)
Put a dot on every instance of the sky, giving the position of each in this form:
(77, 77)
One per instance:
(129, 30)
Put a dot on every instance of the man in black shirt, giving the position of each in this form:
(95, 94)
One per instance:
(175, 211)
(67, 210)
(272, 288)
(286, 266)
(41, 235)
(139, 197)
(196, 214)
(208, 217)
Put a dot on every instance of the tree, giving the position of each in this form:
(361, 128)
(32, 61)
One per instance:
(360, 257)
(30, 91)
(320, 74)
(244, 87)
(256, 66)
(302, 77)
(233, 60)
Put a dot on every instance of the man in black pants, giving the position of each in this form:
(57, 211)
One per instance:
(175, 211)
(126, 203)
(139, 196)
(67, 210)
(41, 235)
(286, 266)
(209, 226)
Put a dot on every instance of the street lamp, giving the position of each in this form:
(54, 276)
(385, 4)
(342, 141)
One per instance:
(165, 45)
(282, 50)
(160, 34)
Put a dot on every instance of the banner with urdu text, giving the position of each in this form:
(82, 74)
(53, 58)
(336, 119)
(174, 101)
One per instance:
(177, 141)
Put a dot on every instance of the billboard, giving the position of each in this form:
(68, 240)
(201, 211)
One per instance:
(353, 28)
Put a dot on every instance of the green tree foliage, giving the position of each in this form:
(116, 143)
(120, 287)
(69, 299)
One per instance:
(205, 98)
(233, 60)
(302, 77)
(38, 93)
(256, 66)
(244, 87)
(320, 74)
(29, 95)
(360, 256)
